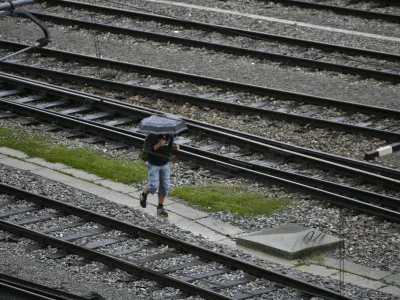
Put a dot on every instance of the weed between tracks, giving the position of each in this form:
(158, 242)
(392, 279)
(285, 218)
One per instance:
(212, 198)
(234, 199)
(80, 158)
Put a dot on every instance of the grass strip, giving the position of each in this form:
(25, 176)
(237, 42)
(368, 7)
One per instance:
(236, 199)
(35, 145)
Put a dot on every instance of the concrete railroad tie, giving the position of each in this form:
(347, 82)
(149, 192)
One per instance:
(382, 151)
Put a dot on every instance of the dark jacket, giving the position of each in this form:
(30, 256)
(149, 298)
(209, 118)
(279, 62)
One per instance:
(162, 155)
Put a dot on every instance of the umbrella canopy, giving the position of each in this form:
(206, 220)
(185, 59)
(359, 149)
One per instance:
(162, 124)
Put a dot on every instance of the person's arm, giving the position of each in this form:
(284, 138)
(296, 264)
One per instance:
(171, 142)
(158, 144)
(171, 145)
(151, 144)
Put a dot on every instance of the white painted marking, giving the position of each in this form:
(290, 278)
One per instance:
(385, 150)
(271, 19)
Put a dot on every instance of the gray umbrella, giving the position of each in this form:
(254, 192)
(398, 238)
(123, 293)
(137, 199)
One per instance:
(162, 124)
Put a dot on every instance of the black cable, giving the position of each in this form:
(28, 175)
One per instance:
(94, 33)
(11, 4)
(97, 46)
(341, 250)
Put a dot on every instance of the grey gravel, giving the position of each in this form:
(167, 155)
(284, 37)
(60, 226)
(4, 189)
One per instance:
(214, 37)
(253, 7)
(217, 65)
(302, 211)
(92, 270)
(368, 241)
(349, 145)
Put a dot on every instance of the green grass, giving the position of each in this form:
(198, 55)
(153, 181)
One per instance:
(229, 198)
(108, 73)
(80, 158)
(299, 264)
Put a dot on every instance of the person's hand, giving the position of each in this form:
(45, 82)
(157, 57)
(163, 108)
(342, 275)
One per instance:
(175, 147)
(161, 142)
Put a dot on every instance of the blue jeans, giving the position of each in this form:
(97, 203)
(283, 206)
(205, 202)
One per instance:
(159, 178)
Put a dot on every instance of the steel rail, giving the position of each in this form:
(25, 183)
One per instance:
(214, 131)
(35, 291)
(233, 166)
(341, 10)
(160, 238)
(194, 125)
(235, 108)
(314, 182)
(11, 5)
(285, 175)
(290, 60)
(361, 165)
(225, 29)
(254, 89)
(242, 141)
(112, 261)
(7, 289)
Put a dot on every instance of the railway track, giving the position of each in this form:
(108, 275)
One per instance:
(277, 105)
(18, 289)
(109, 119)
(144, 253)
(228, 152)
(378, 9)
(284, 50)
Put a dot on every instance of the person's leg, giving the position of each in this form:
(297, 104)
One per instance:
(161, 198)
(153, 183)
(165, 174)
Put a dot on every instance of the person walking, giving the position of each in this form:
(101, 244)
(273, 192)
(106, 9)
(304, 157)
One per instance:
(159, 173)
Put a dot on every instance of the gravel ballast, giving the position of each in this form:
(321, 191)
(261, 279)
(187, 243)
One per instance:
(369, 241)
(217, 65)
(64, 273)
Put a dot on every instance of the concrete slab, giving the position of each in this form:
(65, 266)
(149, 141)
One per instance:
(187, 211)
(261, 255)
(81, 174)
(391, 289)
(2, 156)
(317, 270)
(19, 164)
(358, 280)
(356, 269)
(219, 226)
(150, 209)
(289, 241)
(43, 163)
(120, 198)
(393, 279)
(12, 152)
(152, 199)
(53, 175)
(88, 187)
(194, 227)
(135, 194)
(116, 186)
